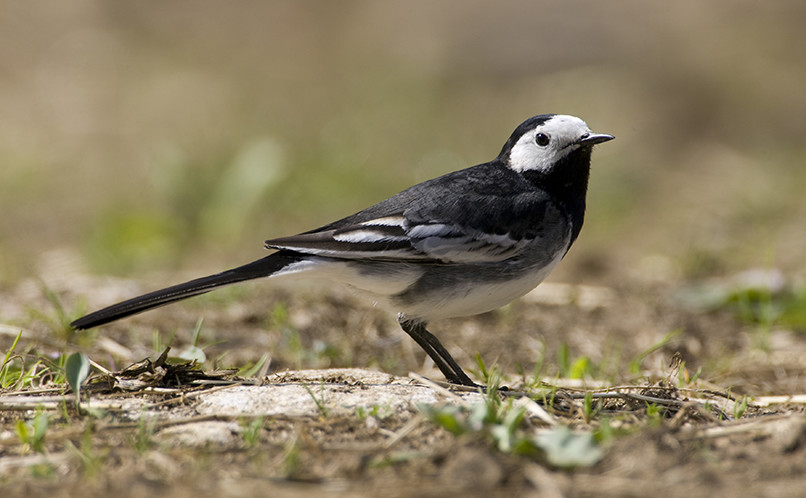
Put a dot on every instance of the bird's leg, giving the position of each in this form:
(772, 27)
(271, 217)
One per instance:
(433, 348)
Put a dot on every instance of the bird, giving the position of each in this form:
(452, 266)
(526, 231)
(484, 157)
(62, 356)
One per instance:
(461, 244)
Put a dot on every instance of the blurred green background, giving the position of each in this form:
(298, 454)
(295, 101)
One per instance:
(146, 136)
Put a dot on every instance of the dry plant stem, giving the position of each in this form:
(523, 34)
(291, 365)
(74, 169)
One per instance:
(403, 431)
(442, 387)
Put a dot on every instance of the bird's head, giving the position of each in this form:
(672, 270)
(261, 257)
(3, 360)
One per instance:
(542, 142)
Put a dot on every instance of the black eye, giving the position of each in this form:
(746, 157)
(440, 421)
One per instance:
(542, 139)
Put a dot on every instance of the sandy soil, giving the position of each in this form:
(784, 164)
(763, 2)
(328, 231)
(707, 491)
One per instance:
(368, 435)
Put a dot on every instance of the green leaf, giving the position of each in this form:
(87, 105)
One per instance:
(41, 422)
(251, 370)
(503, 437)
(568, 449)
(580, 367)
(193, 353)
(76, 370)
(448, 417)
(11, 349)
(21, 428)
(33, 432)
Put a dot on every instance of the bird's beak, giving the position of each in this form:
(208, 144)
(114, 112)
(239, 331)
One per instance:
(595, 138)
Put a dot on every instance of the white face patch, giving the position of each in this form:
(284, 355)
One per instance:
(562, 131)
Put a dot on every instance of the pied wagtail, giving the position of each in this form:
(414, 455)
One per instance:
(461, 244)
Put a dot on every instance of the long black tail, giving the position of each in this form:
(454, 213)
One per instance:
(261, 268)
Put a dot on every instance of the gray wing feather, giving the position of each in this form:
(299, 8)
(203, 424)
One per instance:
(484, 214)
(406, 241)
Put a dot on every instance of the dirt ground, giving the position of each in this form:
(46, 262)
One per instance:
(368, 436)
(174, 137)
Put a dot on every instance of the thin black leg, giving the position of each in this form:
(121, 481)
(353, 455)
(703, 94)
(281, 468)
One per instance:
(433, 348)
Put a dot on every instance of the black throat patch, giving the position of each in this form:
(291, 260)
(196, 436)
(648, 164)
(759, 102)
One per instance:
(567, 183)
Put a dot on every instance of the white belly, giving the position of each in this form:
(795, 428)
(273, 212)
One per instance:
(478, 298)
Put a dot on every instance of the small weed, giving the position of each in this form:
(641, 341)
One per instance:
(292, 340)
(755, 306)
(157, 344)
(42, 470)
(51, 371)
(278, 318)
(452, 418)
(654, 413)
(58, 319)
(91, 462)
(291, 344)
(503, 424)
(760, 298)
(251, 432)
(193, 351)
(375, 411)
(581, 368)
(29, 370)
(534, 380)
(578, 369)
(32, 433)
(635, 363)
(548, 397)
(326, 353)
(291, 459)
(393, 458)
(320, 401)
(76, 370)
(740, 408)
(684, 377)
(483, 372)
(143, 439)
(567, 449)
(564, 360)
(250, 370)
(9, 373)
(605, 432)
(507, 434)
(589, 408)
